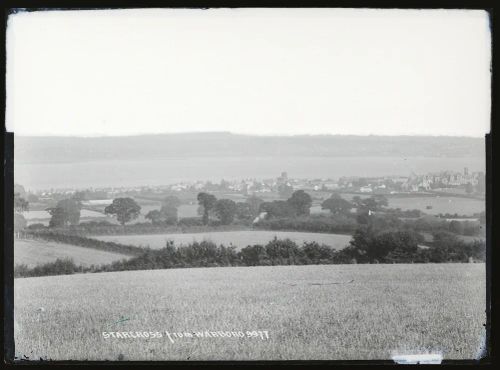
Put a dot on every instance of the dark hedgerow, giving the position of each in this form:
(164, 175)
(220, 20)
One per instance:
(64, 266)
(367, 247)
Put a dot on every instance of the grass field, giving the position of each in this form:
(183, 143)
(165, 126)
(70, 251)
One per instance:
(441, 204)
(43, 217)
(84, 213)
(385, 310)
(316, 209)
(239, 239)
(34, 252)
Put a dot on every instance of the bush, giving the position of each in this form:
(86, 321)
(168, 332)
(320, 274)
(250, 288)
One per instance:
(36, 226)
(190, 221)
(58, 267)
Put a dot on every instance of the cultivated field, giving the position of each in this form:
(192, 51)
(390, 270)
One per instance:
(35, 252)
(239, 239)
(310, 312)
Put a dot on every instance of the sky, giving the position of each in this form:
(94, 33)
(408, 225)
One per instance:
(249, 71)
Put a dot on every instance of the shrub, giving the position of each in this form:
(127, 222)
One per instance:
(190, 221)
(36, 226)
(58, 267)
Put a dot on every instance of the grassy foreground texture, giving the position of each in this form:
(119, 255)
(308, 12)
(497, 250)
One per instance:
(387, 309)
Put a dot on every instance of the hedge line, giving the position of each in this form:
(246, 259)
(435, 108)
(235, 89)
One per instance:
(190, 225)
(323, 224)
(85, 242)
(276, 252)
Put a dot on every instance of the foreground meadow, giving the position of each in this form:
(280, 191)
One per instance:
(309, 312)
(239, 239)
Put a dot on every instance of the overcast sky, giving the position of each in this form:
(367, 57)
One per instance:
(252, 71)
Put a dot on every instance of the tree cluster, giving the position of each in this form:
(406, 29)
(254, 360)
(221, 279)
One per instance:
(66, 212)
(298, 204)
(125, 210)
(227, 210)
(167, 214)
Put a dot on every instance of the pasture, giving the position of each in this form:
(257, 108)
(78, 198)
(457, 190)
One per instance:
(324, 312)
(36, 252)
(239, 239)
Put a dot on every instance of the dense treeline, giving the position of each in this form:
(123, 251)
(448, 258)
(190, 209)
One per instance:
(335, 224)
(367, 246)
(224, 214)
(340, 224)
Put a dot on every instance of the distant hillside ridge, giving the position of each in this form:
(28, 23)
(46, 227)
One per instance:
(31, 149)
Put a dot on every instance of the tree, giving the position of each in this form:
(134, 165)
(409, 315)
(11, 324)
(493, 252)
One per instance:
(316, 252)
(285, 191)
(155, 216)
(19, 222)
(125, 209)
(171, 201)
(20, 204)
(444, 239)
(207, 201)
(278, 208)
(381, 201)
(254, 255)
(67, 211)
(357, 201)
(170, 215)
(243, 211)
(374, 203)
(337, 205)
(371, 245)
(254, 203)
(169, 209)
(301, 202)
(58, 217)
(225, 209)
(456, 227)
(283, 251)
(80, 196)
